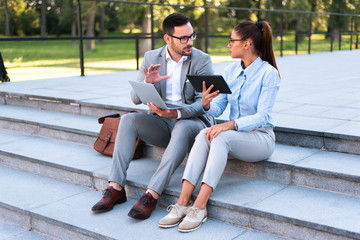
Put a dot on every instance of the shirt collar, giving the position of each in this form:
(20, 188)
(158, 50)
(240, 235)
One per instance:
(252, 68)
(168, 57)
(238, 70)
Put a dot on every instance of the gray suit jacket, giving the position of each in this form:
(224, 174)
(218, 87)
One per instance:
(200, 64)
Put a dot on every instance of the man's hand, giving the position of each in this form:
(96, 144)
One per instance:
(218, 128)
(166, 113)
(152, 75)
(207, 97)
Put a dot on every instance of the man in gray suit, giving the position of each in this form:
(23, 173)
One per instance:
(174, 130)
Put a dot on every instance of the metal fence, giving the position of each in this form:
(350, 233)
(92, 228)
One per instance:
(354, 34)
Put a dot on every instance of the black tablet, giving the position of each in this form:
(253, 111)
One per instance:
(217, 80)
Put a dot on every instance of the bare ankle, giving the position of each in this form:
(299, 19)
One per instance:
(184, 203)
(153, 193)
(116, 186)
(199, 206)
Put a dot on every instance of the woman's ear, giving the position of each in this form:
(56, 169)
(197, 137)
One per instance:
(247, 44)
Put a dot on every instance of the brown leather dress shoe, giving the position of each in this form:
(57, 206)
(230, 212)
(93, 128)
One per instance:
(111, 197)
(144, 207)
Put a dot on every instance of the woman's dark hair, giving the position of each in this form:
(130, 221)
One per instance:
(174, 20)
(261, 35)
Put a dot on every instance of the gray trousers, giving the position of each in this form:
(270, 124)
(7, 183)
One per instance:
(210, 157)
(177, 136)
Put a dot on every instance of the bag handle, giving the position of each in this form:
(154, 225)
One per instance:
(102, 119)
(116, 115)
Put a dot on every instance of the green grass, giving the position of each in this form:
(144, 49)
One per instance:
(54, 50)
(61, 58)
(318, 44)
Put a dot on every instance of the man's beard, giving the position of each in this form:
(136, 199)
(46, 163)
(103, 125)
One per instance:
(184, 52)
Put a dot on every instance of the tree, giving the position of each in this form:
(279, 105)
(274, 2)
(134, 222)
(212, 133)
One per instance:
(67, 18)
(90, 29)
(7, 19)
(302, 5)
(43, 19)
(102, 23)
(336, 24)
(145, 44)
(24, 18)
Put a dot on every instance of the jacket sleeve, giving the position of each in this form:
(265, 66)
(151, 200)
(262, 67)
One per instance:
(140, 78)
(203, 67)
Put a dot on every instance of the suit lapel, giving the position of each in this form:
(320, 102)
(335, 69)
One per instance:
(184, 71)
(162, 72)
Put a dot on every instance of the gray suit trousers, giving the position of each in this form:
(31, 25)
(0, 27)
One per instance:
(177, 136)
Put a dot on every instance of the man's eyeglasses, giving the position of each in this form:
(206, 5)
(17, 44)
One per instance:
(185, 39)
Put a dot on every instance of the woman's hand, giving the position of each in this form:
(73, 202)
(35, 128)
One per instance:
(207, 96)
(218, 128)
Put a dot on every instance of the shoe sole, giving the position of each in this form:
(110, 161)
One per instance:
(170, 226)
(193, 229)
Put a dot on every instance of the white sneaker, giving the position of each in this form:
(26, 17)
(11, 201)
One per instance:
(193, 220)
(174, 217)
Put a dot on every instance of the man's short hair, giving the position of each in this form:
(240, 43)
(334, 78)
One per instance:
(174, 20)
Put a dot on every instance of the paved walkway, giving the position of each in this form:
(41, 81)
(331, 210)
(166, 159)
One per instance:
(319, 92)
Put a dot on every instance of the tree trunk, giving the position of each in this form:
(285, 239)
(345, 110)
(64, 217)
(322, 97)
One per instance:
(73, 24)
(199, 43)
(298, 27)
(7, 19)
(73, 32)
(145, 44)
(336, 6)
(43, 19)
(102, 23)
(90, 31)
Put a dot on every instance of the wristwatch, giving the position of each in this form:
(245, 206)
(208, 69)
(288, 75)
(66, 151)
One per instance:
(235, 126)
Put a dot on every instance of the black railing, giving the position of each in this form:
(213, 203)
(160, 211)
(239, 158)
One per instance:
(206, 35)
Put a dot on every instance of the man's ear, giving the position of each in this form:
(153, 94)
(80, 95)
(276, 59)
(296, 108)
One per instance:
(167, 38)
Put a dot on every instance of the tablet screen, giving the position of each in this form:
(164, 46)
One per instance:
(217, 80)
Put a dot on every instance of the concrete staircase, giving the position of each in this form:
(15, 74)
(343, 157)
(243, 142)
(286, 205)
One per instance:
(51, 176)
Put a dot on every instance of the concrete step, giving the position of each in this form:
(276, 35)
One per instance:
(339, 139)
(62, 210)
(68, 103)
(331, 171)
(272, 207)
(67, 127)
(9, 231)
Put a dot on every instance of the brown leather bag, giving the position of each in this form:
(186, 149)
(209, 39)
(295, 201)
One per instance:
(105, 142)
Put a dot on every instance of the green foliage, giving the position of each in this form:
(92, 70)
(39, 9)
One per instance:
(67, 14)
(23, 17)
(122, 17)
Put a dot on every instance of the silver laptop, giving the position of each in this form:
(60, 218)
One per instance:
(147, 93)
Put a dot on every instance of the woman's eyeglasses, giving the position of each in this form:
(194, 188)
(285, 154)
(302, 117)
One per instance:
(239, 40)
(235, 40)
(185, 39)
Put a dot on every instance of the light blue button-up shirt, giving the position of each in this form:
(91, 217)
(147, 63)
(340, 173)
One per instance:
(253, 95)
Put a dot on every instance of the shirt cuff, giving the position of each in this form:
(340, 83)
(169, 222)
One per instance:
(236, 126)
(204, 110)
(178, 114)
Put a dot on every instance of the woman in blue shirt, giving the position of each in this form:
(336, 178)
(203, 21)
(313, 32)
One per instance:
(248, 136)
